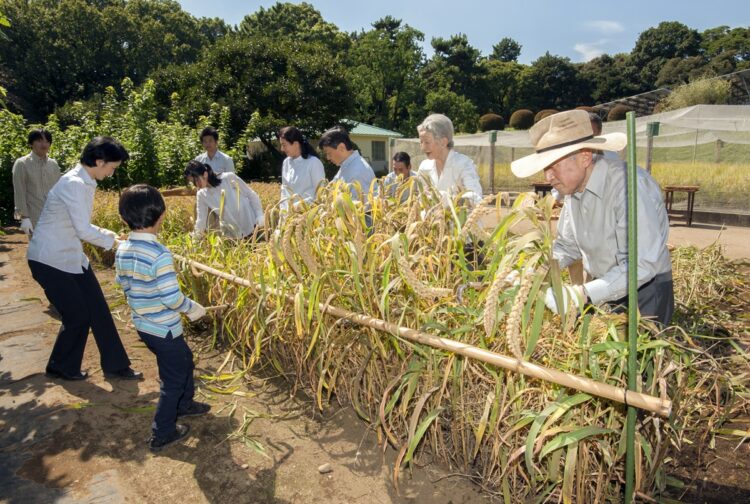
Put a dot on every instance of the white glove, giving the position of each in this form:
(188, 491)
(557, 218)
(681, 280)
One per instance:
(513, 278)
(26, 225)
(117, 244)
(571, 293)
(196, 312)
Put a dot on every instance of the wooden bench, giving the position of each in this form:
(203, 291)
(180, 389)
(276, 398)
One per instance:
(686, 214)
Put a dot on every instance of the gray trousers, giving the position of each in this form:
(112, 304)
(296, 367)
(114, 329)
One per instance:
(655, 299)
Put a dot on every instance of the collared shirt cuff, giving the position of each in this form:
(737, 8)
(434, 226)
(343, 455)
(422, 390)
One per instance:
(598, 291)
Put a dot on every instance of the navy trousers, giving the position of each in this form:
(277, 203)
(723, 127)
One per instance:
(655, 299)
(80, 301)
(175, 362)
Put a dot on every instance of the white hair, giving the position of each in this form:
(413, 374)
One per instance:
(440, 127)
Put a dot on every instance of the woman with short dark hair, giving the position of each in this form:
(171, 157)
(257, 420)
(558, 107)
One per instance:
(241, 210)
(302, 171)
(58, 264)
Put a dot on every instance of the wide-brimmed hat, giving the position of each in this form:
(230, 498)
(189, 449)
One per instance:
(558, 135)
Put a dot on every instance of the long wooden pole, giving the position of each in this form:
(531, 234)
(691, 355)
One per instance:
(661, 407)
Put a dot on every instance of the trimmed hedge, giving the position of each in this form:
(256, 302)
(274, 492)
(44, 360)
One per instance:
(521, 119)
(617, 113)
(544, 113)
(491, 121)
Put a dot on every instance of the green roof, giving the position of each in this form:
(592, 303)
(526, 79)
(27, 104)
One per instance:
(370, 130)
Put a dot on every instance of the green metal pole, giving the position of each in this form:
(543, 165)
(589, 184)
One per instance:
(632, 306)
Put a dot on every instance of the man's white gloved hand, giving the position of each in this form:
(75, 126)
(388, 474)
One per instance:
(196, 312)
(26, 225)
(571, 294)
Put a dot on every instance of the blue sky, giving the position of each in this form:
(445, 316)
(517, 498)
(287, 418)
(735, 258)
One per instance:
(579, 30)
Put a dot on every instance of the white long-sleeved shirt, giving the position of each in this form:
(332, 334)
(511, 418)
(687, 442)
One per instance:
(459, 177)
(242, 207)
(300, 177)
(33, 177)
(65, 222)
(593, 226)
(220, 163)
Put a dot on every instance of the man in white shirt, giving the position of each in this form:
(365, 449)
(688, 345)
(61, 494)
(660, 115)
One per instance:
(593, 222)
(33, 177)
(217, 160)
(353, 169)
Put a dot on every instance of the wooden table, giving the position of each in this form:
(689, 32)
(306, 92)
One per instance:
(669, 200)
(542, 187)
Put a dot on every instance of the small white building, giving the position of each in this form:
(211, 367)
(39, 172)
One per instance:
(374, 144)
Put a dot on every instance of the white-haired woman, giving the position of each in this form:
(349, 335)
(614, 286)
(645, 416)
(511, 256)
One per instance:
(450, 171)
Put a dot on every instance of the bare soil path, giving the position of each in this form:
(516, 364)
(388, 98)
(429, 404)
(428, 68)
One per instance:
(85, 442)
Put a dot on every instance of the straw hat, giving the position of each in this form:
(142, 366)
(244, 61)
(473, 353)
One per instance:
(558, 135)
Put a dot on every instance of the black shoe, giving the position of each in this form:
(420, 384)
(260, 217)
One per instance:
(157, 444)
(195, 409)
(125, 374)
(53, 373)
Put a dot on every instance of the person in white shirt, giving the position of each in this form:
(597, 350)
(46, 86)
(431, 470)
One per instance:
(397, 180)
(353, 169)
(213, 157)
(452, 173)
(301, 172)
(33, 177)
(58, 264)
(228, 197)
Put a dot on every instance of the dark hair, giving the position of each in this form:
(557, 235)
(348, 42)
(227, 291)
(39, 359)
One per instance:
(210, 130)
(141, 206)
(38, 134)
(291, 135)
(402, 157)
(103, 147)
(195, 169)
(335, 136)
(596, 123)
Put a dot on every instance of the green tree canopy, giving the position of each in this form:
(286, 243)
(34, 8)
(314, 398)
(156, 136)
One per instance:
(670, 39)
(506, 50)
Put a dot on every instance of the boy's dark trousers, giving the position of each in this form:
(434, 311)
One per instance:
(81, 304)
(175, 362)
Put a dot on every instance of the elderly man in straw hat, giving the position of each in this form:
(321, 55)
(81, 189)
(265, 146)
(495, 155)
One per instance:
(593, 222)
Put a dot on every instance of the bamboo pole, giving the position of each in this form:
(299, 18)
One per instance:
(632, 184)
(662, 407)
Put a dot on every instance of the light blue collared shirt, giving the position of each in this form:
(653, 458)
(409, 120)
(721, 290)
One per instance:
(66, 221)
(355, 169)
(593, 226)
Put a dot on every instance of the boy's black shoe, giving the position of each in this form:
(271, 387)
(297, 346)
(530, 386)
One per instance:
(125, 374)
(157, 444)
(195, 409)
(53, 373)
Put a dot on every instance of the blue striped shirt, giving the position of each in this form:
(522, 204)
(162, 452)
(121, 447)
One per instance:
(145, 270)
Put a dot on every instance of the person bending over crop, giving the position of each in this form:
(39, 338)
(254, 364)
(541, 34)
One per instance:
(58, 264)
(451, 172)
(145, 270)
(396, 181)
(593, 222)
(353, 169)
(302, 171)
(226, 196)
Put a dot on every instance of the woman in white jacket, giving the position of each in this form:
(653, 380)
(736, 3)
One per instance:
(227, 197)
(301, 172)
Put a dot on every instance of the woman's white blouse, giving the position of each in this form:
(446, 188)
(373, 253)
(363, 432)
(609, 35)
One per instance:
(300, 177)
(242, 209)
(459, 177)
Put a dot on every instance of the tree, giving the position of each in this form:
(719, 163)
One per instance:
(502, 82)
(383, 70)
(670, 39)
(722, 40)
(506, 50)
(300, 22)
(552, 82)
(458, 108)
(678, 71)
(610, 77)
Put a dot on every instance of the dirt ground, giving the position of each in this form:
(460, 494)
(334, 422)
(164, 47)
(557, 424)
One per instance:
(734, 240)
(85, 442)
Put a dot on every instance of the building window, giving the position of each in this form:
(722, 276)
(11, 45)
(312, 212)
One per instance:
(378, 151)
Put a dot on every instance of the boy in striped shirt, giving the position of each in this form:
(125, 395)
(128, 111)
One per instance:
(145, 270)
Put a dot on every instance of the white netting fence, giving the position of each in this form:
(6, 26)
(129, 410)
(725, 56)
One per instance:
(704, 145)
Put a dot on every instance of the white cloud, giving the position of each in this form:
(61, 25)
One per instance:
(605, 27)
(590, 50)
